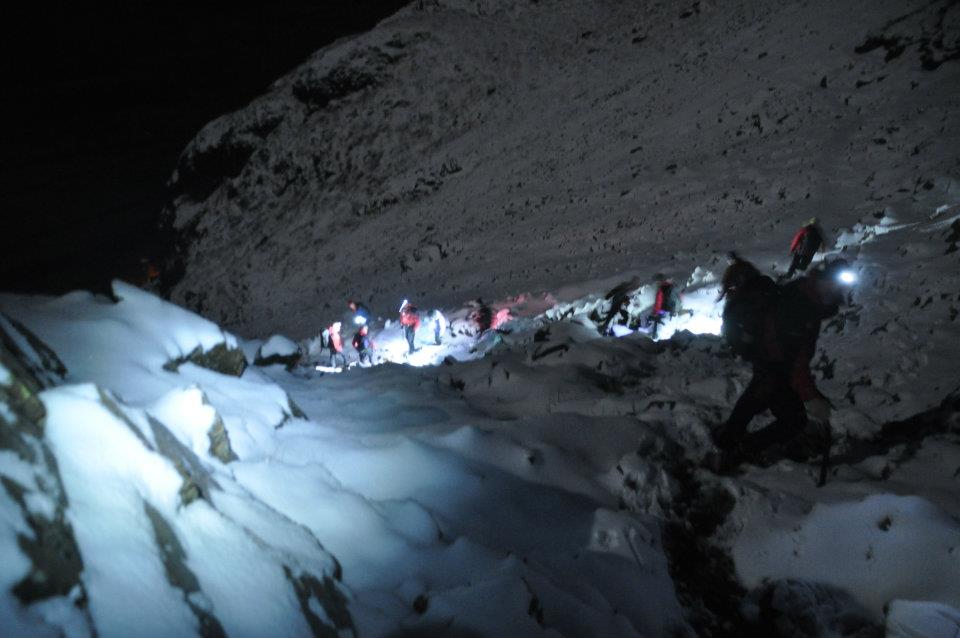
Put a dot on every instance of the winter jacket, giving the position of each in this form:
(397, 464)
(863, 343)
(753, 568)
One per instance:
(807, 241)
(336, 341)
(667, 300)
(410, 317)
(791, 332)
(362, 343)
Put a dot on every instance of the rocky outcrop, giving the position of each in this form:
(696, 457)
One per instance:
(221, 358)
(466, 149)
(55, 561)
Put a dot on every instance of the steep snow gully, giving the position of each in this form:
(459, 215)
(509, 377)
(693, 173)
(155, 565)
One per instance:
(162, 476)
(549, 481)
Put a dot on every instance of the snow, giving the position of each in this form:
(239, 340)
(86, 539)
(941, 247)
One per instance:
(108, 474)
(890, 546)
(278, 345)
(125, 342)
(528, 480)
(917, 619)
(530, 475)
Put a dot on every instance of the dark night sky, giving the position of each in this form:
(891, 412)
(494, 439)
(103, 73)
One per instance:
(100, 99)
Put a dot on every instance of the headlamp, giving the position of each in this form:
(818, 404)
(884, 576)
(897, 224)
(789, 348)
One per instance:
(847, 277)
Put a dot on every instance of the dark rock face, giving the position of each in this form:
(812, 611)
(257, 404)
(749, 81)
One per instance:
(797, 608)
(478, 149)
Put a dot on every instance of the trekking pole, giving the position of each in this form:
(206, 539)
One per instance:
(825, 461)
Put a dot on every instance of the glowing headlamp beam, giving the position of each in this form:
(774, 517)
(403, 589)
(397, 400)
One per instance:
(847, 277)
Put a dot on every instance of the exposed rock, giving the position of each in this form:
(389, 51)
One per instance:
(179, 574)
(220, 358)
(197, 481)
(220, 442)
(311, 590)
(453, 130)
(278, 350)
(798, 608)
(55, 560)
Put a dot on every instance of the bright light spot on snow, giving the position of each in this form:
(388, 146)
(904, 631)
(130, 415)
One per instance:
(701, 314)
(703, 324)
(848, 277)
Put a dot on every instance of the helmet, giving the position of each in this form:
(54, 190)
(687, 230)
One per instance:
(811, 222)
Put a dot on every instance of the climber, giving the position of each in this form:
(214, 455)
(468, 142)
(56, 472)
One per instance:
(361, 314)
(335, 344)
(666, 304)
(738, 273)
(410, 320)
(364, 345)
(619, 298)
(783, 324)
(439, 325)
(805, 244)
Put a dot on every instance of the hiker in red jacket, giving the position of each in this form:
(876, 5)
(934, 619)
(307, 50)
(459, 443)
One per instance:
(786, 341)
(410, 320)
(336, 346)
(805, 244)
(666, 303)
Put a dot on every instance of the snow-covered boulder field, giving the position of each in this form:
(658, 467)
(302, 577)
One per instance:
(548, 481)
(464, 149)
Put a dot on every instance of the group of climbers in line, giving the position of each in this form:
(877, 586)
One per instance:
(667, 303)
(410, 320)
(332, 340)
(774, 325)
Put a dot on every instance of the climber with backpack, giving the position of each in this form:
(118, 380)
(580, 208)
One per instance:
(335, 344)
(619, 298)
(410, 320)
(776, 329)
(666, 304)
(806, 243)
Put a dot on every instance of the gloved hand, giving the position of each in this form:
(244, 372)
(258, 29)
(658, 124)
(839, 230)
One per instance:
(818, 409)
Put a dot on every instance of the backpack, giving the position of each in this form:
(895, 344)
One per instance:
(325, 338)
(746, 314)
(671, 298)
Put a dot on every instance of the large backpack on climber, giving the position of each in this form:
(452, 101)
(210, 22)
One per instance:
(325, 338)
(748, 313)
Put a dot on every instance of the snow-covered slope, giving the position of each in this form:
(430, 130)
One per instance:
(553, 482)
(465, 149)
(543, 480)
